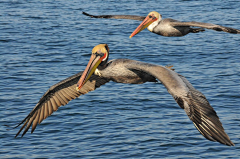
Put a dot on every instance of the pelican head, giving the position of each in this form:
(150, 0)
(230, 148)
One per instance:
(99, 56)
(149, 22)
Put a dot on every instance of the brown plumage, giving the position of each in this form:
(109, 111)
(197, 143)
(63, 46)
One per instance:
(167, 27)
(58, 95)
(132, 17)
(99, 71)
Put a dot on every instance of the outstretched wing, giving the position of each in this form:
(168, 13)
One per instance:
(202, 115)
(58, 95)
(207, 26)
(191, 100)
(132, 17)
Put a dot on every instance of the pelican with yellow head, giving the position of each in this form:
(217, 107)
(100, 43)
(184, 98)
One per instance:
(167, 27)
(99, 71)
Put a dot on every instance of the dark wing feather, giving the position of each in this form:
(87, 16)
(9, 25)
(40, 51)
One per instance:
(207, 26)
(132, 17)
(58, 95)
(203, 115)
(191, 100)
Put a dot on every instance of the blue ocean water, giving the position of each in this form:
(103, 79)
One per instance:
(43, 42)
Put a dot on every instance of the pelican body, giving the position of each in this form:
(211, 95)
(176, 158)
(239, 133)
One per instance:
(167, 27)
(99, 71)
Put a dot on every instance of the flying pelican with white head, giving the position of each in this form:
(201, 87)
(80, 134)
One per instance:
(167, 27)
(99, 71)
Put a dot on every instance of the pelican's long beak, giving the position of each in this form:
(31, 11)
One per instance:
(145, 23)
(93, 63)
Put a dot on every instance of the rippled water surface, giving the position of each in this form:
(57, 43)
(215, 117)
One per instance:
(43, 42)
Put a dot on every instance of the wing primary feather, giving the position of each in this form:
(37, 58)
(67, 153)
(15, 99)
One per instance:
(35, 121)
(132, 17)
(50, 107)
(29, 123)
(22, 128)
(41, 117)
(57, 95)
(204, 133)
(207, 26)
(212, 133)
(54, 103)
(191, 100)
(198, 129)
(46, 113)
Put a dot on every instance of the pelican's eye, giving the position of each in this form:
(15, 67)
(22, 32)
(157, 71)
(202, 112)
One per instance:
(150, 16)
(98, 54)
(153, 17)
(101, 54)
(104, 56)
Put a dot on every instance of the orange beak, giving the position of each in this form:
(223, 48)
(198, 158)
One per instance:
(145, 23)
(93, 63)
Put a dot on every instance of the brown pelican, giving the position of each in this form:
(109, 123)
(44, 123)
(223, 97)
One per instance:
(167, 27)
(99, 72)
